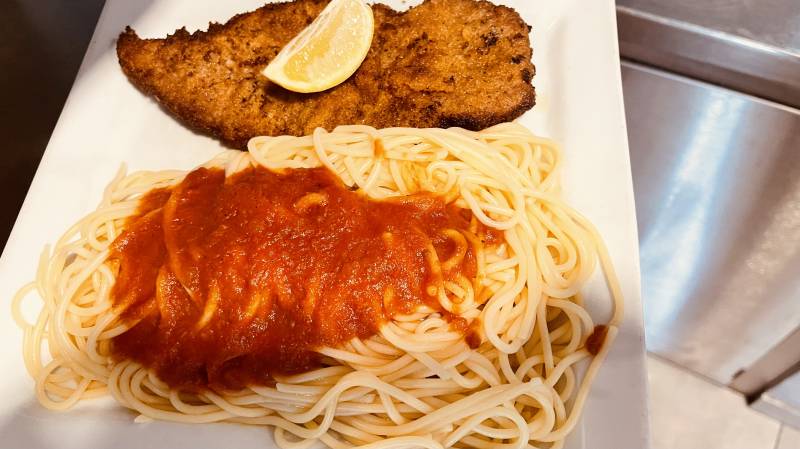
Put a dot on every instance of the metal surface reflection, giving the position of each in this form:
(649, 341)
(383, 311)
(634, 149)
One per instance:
(717, 182)
(782, 400)
(751, 46)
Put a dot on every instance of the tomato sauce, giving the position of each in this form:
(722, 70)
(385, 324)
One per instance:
(229, 280)
(595, 341)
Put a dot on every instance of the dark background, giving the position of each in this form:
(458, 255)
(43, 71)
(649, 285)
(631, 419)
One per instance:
(42, 43)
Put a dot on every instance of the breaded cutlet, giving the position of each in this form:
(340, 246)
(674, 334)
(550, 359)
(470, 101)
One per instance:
(443, 63)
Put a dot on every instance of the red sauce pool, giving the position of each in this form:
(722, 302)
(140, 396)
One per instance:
(230, 280)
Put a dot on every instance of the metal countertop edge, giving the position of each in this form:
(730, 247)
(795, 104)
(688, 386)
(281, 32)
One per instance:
(713, 56)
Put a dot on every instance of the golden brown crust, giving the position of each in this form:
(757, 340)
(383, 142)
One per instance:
(443, 63)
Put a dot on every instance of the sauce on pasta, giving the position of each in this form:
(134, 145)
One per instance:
(230, 280)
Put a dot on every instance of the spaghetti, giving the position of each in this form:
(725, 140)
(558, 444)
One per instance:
(415, 383)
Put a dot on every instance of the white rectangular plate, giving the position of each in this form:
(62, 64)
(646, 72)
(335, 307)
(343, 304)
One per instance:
(106, 121)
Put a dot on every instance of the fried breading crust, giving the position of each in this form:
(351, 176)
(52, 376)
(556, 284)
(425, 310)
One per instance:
(443, 63)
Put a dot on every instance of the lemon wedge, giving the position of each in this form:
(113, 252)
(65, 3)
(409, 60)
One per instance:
(327, 51)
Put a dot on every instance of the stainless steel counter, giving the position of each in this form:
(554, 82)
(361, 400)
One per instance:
(770, 22)
(782, 400)
(752, 46)
(717, 183)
